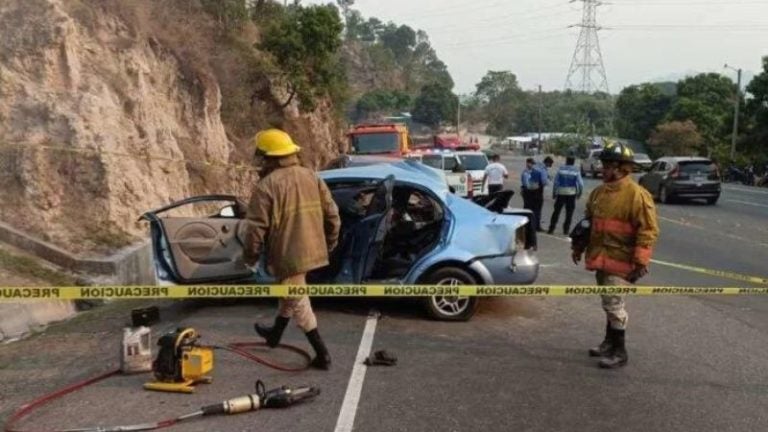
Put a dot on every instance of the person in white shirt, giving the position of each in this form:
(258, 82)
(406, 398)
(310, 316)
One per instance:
(495, 174)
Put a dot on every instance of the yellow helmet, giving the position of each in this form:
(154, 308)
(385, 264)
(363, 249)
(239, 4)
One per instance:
(275, 143)
(617, 152)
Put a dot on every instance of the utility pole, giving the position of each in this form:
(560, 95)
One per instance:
(737, 106)
(458, 117)
(587, 58)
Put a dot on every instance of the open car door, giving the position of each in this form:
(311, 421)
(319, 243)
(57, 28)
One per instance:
(199, 249)
(367, 236)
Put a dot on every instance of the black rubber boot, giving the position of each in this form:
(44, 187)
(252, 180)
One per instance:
(275, 333)
(618, 356)
(322, 358)
(605, 347)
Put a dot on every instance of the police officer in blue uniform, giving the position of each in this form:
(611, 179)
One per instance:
(566, 189)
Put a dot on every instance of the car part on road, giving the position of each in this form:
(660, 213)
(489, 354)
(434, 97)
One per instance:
(381, 358)
(277, 398)
(281, 397)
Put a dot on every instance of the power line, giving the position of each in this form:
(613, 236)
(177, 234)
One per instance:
(587, 59)
(703, 27)
(507, 38)
(685, 3)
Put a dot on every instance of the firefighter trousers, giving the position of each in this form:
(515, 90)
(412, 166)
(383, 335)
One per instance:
(613, 305)
(298, 308)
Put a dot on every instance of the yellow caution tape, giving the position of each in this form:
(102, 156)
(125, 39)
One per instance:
(14, 294)
(717, 273)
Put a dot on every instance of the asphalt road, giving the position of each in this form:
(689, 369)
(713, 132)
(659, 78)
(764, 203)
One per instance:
(696, 363)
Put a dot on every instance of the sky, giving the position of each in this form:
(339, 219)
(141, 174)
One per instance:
(642, 40)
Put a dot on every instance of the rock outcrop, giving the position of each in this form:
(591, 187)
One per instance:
(107, 110)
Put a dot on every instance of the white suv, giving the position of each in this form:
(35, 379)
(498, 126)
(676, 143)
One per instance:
(475, 162)
(450, 164)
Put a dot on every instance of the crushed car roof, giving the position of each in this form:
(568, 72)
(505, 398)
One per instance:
(403, 171)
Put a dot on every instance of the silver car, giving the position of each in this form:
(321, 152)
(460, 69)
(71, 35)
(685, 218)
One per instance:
(671, 178)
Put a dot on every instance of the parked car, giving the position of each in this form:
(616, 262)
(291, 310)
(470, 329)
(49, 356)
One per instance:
(448, 162)
(670, 178)
(592, 164)
(474, 162)
(643, 162)
(399, 226)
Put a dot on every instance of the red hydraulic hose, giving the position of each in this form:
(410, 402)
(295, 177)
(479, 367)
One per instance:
(238, 348)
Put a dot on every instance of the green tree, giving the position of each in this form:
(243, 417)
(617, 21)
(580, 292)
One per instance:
(304, 43)
(496, 83)
(676, 138)
(382, 101)
(436, 104)
(707, 100)
(399, 39)
(639, 109)
(756, 139)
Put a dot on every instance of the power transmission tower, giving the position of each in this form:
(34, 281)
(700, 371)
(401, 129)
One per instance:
(587, 72)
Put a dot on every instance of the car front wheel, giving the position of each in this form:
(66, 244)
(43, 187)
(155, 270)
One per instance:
(450, 308)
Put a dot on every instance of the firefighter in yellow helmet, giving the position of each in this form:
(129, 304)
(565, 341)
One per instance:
(623, 233)
(294, 223)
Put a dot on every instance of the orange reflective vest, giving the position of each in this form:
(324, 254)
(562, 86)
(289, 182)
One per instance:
(624, 227)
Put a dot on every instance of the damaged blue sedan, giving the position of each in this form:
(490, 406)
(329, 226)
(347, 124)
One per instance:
(400, 225)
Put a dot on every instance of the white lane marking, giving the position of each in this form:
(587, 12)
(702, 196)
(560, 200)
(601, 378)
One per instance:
(744, 189)
(713, 231)
(747, 203)
(346, 418)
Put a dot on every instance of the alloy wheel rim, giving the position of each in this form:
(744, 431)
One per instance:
(450, 305)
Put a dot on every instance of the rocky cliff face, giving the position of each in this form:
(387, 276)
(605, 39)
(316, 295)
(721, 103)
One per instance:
(103, 117)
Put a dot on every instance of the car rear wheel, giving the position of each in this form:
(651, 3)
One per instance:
(664, 195)
(712, 200)
(450, 308)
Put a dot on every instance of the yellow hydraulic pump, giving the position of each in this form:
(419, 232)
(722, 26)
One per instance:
(181, 362)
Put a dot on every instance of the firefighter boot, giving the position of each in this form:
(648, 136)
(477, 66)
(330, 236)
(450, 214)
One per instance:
(322, 358)
(618, 356)
(605, 347)
(275, 333)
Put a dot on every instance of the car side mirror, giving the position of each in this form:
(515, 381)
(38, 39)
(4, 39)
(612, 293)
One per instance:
(459, 168)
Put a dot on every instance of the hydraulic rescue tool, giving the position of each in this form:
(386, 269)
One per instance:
(281, 397)
(181, 362)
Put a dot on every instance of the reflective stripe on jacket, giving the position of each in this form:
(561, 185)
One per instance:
(293, 219)
(567, 181)
(624, 227)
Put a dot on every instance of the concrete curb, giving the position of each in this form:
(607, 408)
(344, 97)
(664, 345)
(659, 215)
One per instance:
(130, 266)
